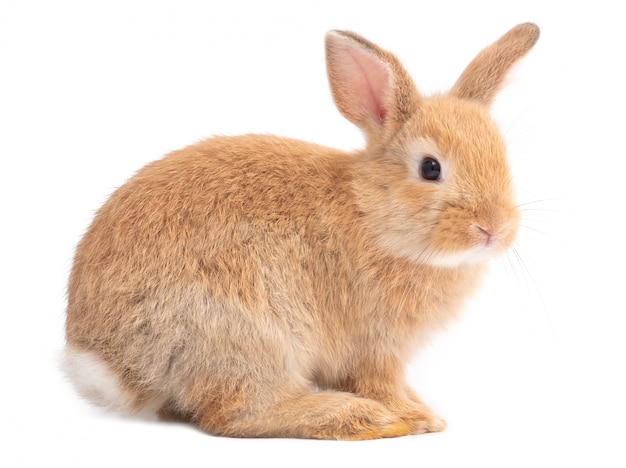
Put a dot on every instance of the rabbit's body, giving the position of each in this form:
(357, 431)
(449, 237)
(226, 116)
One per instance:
(261, 286)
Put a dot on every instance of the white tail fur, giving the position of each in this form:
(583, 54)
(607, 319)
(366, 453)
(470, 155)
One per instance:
(94, 380)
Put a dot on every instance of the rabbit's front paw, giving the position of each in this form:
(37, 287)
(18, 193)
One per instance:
(423, 421)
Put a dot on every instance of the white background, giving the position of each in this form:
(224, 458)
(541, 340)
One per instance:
(532, 375)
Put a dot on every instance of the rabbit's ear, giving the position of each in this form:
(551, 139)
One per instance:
(369, 85)
(483, 77)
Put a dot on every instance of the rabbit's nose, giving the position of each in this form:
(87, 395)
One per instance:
(487, 236)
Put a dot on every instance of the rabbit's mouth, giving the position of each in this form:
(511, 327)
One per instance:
(484, 245)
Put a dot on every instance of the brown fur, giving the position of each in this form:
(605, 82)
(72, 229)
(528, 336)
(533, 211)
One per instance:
(266, 287)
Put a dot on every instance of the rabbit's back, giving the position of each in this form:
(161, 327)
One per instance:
(222, 245)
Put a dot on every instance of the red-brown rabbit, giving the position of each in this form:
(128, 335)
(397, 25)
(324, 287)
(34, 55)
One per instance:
(259, 286)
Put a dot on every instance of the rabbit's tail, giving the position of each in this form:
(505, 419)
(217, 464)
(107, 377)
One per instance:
(98, 383)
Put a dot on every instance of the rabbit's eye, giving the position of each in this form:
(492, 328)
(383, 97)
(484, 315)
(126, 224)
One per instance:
(430, 169)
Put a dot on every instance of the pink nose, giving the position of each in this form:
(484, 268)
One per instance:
(488, 236)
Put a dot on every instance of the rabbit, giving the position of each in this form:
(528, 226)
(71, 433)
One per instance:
(257, 286)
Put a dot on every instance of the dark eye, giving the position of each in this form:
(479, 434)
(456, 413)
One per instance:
(430, 169)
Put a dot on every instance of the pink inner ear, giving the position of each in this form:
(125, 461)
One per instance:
(369, 79)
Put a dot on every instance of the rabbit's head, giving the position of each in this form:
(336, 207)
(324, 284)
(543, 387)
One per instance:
(433, 183)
